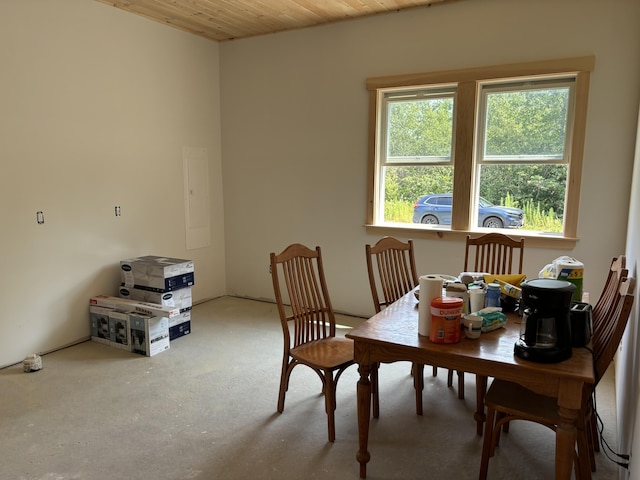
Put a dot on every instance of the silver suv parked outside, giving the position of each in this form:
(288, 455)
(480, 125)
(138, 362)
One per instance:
(435, 209)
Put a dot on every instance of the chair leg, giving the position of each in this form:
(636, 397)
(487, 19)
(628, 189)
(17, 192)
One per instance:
(487, 446)
(450, 378)
(284, 381)
(496, 431)
(460, 385)
(375, 397)
(592, 457)
(583, 465)
(418, 384)
(594, 432)
(435, 371)
(330, 404)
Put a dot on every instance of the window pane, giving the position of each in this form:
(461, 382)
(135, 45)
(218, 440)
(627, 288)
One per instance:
(527, 124)
(419, 129)
(403, 186)
(538, 190)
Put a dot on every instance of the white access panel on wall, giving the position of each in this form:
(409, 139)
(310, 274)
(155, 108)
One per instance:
(196, 197)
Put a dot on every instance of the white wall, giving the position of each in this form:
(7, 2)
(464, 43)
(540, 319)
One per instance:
(95, 108)
(628, 358)
(294, 129)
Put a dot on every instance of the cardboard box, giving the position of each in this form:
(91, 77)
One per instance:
(149, 334)
(119, 329)
(181, 298)
(183, 317)
(180, 326)
(118, 303)
(99, 321)
(160, 274)
(179, 330)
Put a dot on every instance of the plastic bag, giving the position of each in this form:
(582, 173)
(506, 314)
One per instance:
(551, 270)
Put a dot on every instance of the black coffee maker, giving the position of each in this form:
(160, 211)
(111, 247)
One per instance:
(545, 334)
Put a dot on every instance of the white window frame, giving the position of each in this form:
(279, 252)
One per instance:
(468, 85)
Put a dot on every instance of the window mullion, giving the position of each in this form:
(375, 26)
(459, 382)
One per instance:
(578, 130)
(463, 172)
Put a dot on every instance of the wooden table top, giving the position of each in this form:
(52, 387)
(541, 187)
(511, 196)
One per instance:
(392, 335)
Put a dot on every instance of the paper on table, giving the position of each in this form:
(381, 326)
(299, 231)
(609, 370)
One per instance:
(430, 288)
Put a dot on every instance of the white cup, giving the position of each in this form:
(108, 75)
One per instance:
(476, 299)
(472, 326)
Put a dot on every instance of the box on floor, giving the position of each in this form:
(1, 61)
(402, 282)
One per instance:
(161, 274)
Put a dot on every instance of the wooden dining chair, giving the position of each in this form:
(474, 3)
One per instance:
(391, 266)
(493, 253)
(309, 325)
(617, 272)
(507, 401)
(601, 315)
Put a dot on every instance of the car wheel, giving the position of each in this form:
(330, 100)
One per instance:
(493, 222)
(430, 220)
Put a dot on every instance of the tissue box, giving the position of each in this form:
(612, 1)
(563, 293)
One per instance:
(160, 274)
(181, 298)
(149, 334)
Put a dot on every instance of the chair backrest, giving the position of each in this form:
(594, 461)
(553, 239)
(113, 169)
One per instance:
(601, 310)
(605, 342)
(394, 273)
(309, 315)
(495, 253)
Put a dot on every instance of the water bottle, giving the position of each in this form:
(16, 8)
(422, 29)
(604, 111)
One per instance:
(493, 295)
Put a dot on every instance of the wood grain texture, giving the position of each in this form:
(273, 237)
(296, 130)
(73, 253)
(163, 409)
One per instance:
(221, 20)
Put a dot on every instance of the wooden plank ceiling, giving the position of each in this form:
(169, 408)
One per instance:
(222, 20)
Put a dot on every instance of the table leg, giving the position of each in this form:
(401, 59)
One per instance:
(569, 405)
(481, 390)
(565, 443)
(364, 412)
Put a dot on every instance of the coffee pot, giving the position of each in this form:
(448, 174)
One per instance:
(545, 332)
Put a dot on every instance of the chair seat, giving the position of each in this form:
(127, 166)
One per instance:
(329, 352)
(516, 400)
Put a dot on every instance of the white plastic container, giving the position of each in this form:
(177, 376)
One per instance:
(571, 270)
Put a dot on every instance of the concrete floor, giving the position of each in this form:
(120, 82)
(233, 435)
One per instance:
(206, 409)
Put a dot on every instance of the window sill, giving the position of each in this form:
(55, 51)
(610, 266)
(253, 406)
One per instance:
(532, 239)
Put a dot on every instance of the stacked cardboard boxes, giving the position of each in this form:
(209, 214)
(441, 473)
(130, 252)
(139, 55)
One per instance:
(153, 309)
(164, 281)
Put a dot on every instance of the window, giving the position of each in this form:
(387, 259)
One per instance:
(496, 147)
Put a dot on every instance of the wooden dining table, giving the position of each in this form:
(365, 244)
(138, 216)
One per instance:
(392, 335)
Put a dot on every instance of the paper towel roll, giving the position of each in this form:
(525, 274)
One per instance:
(430, 288)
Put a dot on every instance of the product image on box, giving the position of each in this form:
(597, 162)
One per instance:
(99, 321)
(119, 329)
(149, 335)
(160, 274)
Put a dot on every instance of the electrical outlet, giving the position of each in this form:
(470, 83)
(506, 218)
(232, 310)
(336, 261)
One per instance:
(118, 211)
(40, 217)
